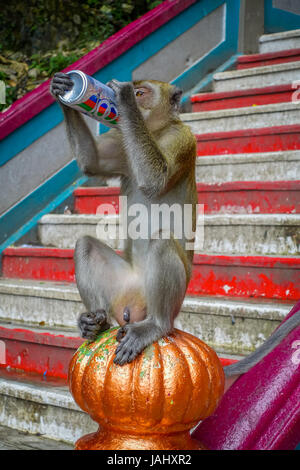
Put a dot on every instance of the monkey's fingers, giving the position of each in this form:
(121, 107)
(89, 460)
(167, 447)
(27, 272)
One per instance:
(64, 81)
(61, 75)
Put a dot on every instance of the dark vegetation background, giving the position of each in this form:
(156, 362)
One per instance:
(41, 37)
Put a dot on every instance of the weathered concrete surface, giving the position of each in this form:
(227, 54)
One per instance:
(39, 303)
(224, 234)
(279, 41)
(12, 439)
(268, 166)
(230, 325)
(268, 75)
(28, 303)
(251, 117)
(63, 231)
(37, 408)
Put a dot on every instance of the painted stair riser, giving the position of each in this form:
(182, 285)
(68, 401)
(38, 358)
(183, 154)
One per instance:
(247, 169)
(244, 234)
(261, 60)
(271, 43)
(234, 198)
(42, 410)
(47, 354)
(229, 327)
(243, 118)
(266, 139)
(242, 276)
(272, 75)
(26, 350)
(243, 98)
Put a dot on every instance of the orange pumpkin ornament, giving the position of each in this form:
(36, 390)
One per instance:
(150, 403)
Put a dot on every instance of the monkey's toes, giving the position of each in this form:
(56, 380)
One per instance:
(92, 323)
(129, 348)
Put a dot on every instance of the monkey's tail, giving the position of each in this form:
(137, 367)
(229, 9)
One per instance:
(276, 337)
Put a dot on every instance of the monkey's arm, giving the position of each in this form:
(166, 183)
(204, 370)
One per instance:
(154, 164)
(101, 156)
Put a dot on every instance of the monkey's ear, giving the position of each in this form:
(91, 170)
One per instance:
(175, 98)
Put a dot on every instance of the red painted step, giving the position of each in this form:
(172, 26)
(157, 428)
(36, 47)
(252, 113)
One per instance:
(268, 58)
(87, 200)
(280, 197)
(53, 264)
(43, 352)
(246, 276)
(266, 139)
(242, 276)
(242, 98)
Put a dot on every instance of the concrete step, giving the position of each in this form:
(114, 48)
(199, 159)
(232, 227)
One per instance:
(268, 58)
(270, 75)
(263, 167)
(256, 234)
(12, 439)
(230, 325)
(35, 405)
(266, 139)
(234, 275)
(230, 197)
(242, 98)
(283, 41)
(243, 118)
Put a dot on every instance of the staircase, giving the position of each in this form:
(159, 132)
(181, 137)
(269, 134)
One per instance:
(244, 281)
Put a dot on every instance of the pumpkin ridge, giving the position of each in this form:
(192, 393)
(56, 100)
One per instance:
(202, 365)
(200, 351)
(178, 344)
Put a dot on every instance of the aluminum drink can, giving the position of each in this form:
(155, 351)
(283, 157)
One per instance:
(92, 98)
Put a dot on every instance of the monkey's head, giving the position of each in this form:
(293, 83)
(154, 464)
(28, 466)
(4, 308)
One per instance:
(157, 101)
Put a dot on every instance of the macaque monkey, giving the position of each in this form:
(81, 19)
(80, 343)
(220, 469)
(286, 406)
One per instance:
(154, 154)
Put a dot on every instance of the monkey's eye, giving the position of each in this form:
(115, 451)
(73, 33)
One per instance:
(139, 92)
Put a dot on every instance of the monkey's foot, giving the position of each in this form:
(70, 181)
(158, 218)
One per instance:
(92, 323)
(134, 337)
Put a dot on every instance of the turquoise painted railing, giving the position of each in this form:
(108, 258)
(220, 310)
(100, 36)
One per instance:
(36, 114)
(277, 19)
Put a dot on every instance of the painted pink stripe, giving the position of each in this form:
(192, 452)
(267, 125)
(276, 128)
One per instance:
(38, 99)
(260, 411)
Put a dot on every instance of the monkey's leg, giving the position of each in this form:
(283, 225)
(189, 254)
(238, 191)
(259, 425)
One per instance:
(107, 284)
(165, 287)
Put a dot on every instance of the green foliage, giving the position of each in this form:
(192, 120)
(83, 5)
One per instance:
(48, 35)
(53, 64)
(39, 25)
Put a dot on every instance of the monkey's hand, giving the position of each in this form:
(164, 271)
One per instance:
(60, 83)
(124, 92)
(92, 323)
(134, 337)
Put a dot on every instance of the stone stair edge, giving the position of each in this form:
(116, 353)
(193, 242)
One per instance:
(261, 70)
(247, 110)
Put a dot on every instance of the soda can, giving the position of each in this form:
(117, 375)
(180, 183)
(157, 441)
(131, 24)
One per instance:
(92, 98)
